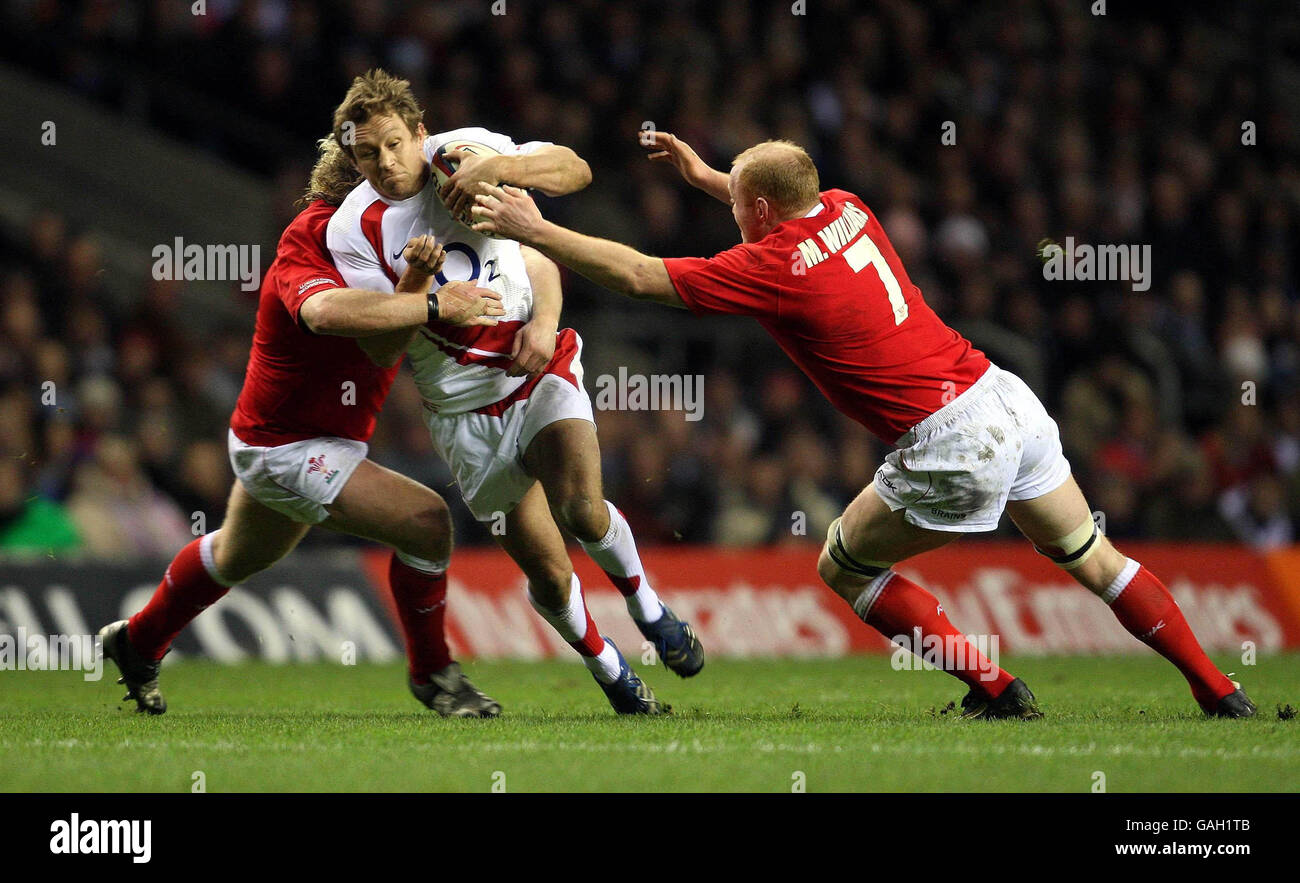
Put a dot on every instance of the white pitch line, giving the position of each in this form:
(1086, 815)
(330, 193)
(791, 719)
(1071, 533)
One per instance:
(696, 746)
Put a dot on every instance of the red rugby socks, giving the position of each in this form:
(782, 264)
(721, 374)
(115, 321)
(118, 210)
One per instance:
(189, 585)
(900, 609)
(420, 593)
(1145, 607)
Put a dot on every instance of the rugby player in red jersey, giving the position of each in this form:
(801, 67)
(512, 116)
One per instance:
(297, 443)
(816, 270)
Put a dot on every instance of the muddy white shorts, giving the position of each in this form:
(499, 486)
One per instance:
(957, 468)
(485, 448)
(298, 479)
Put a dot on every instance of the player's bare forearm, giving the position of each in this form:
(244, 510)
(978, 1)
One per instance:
(714, 183)
(666, 147)
(710, 180)
(615, 266)
(386, 349)
(548, 297)
(554, 170)
(357, 312)
(510, 212)
(534, 343)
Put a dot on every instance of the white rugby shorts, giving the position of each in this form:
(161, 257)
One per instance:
(485, 448)
(298, 479)
(957, 468)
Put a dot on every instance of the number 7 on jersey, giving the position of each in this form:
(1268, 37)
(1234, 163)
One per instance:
(863, 253)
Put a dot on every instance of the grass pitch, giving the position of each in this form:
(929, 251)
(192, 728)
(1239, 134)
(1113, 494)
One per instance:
(845, 725)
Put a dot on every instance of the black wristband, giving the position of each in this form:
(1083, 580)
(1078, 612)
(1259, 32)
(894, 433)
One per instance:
(433, 306)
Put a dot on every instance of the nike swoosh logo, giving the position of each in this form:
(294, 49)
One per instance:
(429, 609)
(398, 254)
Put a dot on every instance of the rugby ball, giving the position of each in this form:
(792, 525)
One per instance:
(444, 168)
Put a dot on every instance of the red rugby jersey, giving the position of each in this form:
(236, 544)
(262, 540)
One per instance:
(301, 385)
(832, 292)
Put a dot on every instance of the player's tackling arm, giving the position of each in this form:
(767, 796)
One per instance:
(386, 349)
(618, 267)
(358, 312)
(343, 311)
(364, 312)
(509, 212)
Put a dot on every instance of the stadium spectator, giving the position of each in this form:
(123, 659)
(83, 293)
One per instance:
(117, 512)
(31, 525)
(1176, 406)
(1257, 512)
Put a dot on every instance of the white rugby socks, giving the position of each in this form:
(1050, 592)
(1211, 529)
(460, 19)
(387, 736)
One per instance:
(617, 556)
(575, 625)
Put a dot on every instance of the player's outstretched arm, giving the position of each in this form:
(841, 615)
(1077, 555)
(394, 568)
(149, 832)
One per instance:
(510, 212)
(665, 147)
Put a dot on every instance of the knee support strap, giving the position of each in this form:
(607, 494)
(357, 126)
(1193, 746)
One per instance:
(1076, 547)
(846, 562)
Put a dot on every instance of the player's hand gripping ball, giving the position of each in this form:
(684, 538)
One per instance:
(445, 167)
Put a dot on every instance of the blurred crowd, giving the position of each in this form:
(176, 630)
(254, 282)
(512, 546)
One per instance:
(974, 130)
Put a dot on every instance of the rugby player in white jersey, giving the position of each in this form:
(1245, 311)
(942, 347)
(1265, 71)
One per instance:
(505, 403)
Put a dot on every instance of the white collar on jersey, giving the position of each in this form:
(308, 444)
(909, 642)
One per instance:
(816, 210)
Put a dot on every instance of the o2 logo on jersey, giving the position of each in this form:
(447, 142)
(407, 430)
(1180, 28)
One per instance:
(464, 264)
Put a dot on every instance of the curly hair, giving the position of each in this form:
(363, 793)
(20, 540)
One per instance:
(375, 93)
(333, 176)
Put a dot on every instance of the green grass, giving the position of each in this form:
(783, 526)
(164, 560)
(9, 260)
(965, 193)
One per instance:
(848, 725)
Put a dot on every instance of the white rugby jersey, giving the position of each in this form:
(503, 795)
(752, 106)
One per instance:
(456, 369)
